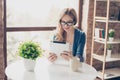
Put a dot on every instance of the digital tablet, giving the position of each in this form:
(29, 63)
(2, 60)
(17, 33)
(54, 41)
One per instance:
(58, 47)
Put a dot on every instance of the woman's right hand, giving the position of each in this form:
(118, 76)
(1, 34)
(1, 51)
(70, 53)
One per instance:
(52, 57)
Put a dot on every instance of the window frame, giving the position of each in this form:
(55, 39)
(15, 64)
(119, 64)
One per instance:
(14, 29)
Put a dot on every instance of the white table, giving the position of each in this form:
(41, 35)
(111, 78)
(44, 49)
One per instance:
(46, 71)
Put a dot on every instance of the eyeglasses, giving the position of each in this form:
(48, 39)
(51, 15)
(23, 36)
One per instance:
(70, 23)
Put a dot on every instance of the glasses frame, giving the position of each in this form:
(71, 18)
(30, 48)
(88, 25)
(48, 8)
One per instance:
(69, 23)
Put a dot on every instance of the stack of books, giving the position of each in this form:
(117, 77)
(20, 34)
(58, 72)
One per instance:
(99, 33)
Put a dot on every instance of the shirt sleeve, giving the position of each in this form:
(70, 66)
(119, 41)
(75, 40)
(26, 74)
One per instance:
(53, 38)
(80, 48)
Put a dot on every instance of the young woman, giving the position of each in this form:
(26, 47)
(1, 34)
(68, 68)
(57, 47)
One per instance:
(66, 32)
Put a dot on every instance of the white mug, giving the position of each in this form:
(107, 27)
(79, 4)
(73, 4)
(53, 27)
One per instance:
(74, 64)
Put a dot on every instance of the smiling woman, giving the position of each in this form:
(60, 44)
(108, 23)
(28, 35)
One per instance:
(67, 32)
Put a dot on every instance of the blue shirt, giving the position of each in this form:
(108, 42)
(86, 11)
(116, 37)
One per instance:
(78, 44)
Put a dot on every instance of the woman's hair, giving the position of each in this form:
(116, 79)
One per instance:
(61, 34)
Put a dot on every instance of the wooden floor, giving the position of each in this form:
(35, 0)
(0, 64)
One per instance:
(110, 79)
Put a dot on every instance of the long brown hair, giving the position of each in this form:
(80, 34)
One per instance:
(61, 34)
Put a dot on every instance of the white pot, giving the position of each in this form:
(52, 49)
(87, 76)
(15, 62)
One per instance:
(29, 64)
(111, 39)
(109, 53)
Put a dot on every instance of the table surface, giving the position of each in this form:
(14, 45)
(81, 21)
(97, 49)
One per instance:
(46, 71)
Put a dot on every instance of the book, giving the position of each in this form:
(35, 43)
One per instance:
(103, 33)
(99, 33)
(119, 16)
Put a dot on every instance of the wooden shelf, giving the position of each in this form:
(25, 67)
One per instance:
(110, 0)
(100, 18)
(110, 21)
(110, 73)
(101, 40)
(114, 21)
(101, 57)
(104, 19)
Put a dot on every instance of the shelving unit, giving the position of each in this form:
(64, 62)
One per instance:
(110, 0)
(101, 57)
(109, 72)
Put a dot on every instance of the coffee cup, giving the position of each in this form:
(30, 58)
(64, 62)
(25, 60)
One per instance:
(74, 64)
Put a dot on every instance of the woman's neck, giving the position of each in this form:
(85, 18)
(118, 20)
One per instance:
(70, 36)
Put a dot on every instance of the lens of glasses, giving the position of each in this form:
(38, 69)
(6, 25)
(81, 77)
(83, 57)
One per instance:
(63, 23)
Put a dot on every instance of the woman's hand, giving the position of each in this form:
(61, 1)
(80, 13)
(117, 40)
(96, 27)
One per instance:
(66, 55)
(52, 57)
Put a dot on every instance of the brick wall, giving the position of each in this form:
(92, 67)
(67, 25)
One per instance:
(89, 31)
(1, 44)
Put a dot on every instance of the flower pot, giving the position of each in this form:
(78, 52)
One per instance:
(111, 39)
(109, 53)
(29, 64)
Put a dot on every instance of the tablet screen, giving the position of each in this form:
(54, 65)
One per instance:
(58, 47)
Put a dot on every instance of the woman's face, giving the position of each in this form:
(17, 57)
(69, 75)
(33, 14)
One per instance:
(67, 23)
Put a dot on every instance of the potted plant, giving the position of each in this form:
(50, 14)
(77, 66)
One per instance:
(29, 51)
(111, 34)
(109, 50)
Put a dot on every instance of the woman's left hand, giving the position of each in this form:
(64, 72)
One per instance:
(66, 55)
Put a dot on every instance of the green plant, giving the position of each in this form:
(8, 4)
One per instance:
(111, 33)
(109, 47)
(30, 50)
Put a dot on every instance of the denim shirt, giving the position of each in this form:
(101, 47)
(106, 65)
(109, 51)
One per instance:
(78, 44)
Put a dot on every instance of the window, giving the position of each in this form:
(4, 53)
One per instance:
(32, 20)
(27, 13)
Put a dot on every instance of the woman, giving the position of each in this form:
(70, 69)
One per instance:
(66, 32)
